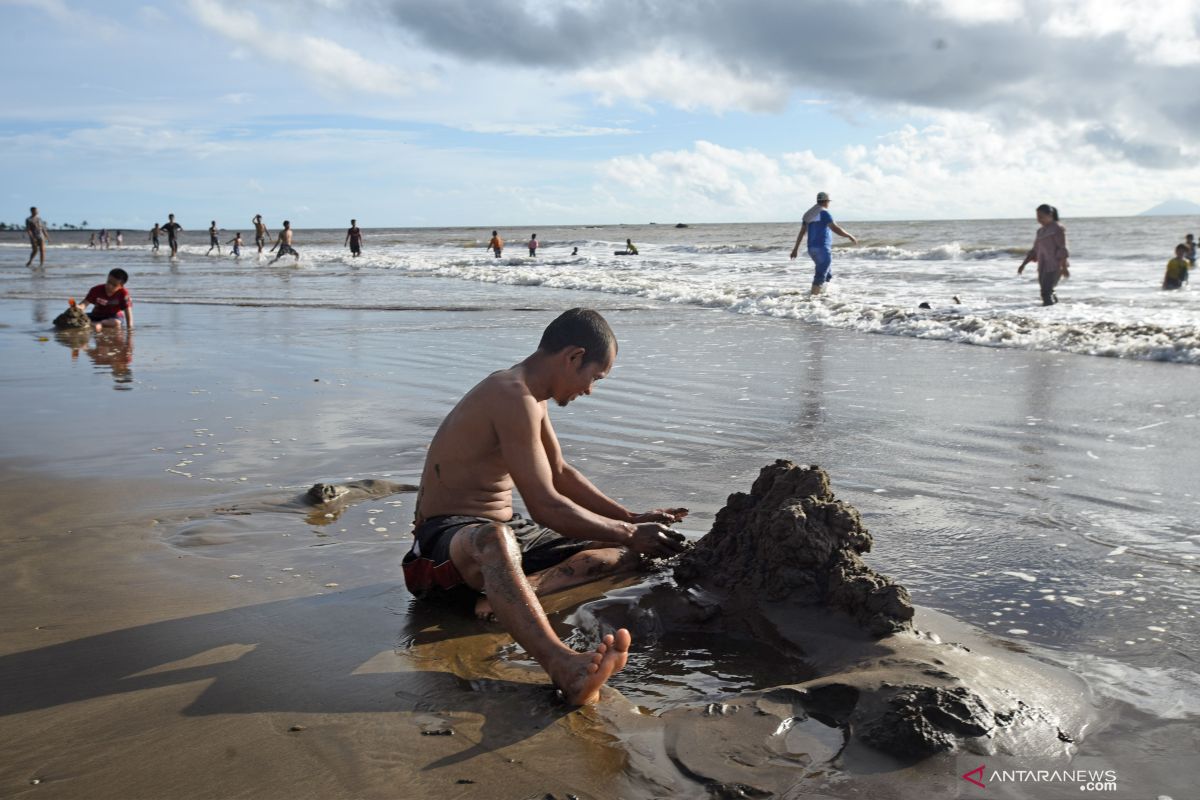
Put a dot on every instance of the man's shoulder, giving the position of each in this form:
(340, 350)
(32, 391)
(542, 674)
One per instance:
(505, 392)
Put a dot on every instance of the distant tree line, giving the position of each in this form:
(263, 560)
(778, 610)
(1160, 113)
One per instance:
(54, 226)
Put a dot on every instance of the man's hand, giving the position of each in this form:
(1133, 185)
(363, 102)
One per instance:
(667, 516)
(795, 250)
(656, 540)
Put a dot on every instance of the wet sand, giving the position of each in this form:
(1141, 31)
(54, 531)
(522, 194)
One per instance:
(175, 625)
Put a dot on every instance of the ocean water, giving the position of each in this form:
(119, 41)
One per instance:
(1111, 306)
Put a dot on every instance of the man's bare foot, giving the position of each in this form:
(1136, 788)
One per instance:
(483, 609)
(582, 675)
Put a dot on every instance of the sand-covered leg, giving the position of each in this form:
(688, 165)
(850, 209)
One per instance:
(580, 568)
(488, 558)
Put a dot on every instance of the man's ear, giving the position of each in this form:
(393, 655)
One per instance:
(575, 356)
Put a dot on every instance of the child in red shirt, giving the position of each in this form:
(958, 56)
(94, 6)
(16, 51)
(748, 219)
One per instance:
(111, 300)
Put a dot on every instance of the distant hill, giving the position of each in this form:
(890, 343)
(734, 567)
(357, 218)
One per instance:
(1175, 207)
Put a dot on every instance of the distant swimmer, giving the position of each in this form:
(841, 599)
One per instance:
(575, 252)
(120, 238)
(819, 226)
(173, 229)
(1177, 269)
(261, 234)
(104, 238)
(468, 542)
(236, 242)
(213, 241)
(533, 245)
(285, 244)
(1050, 252)
(496, 244)
(35, 229)
(630, 249)
(91, 241)
(354, 239)
(155, 232)
(1190, 241)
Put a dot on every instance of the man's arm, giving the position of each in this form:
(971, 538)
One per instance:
(129, 317)
(518, 425)
(833, 226)
(800, 238)
(573, 484)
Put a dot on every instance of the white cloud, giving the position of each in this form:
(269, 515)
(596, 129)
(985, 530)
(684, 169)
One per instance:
(690, 84)
(332, 66)
(959, 166)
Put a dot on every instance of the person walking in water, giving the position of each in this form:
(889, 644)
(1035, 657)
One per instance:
(35, 229)
(354, 239)
(285, 244)
(213, 240)
(261, 234)
(120, 239)
(1050, 252)
(496, 244)
(173, 229)
(236, 242)
(819, 226)
(1177, 269)
(468, 541)
(155, 232)
(533, 245)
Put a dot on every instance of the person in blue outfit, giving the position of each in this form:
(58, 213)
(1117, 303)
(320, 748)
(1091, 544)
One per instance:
(818, 224)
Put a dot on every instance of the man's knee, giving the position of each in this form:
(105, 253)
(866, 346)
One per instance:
(494, 538)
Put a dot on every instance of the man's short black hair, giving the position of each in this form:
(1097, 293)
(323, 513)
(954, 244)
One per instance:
(119, 274)
(580, 327)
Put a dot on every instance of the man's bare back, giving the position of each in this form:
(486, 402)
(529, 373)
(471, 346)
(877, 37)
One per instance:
(464, 469)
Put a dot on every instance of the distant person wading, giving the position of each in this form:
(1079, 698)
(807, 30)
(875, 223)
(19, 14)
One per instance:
(1050, 252)
(819, 226)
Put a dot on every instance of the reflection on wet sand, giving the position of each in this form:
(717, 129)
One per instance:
(111, 348)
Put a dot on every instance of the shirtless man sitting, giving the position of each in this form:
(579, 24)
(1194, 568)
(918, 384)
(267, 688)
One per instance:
(497, 437)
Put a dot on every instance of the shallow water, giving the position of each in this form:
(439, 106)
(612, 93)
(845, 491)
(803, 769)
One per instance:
(1112, 306)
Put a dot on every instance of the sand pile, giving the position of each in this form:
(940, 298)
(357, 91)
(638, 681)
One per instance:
(73, 317)
(791, 540)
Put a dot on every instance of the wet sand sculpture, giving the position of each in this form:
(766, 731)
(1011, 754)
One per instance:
(73, 317)
(783, 564)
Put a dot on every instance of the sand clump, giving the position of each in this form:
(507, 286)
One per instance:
(74, 317)
(791, 540)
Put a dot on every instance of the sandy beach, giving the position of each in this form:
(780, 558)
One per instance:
(177, 623)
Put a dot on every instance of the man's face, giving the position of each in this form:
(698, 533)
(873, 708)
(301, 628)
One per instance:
(579, 378)
(111, 285)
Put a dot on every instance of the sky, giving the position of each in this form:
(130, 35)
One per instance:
(515, 112)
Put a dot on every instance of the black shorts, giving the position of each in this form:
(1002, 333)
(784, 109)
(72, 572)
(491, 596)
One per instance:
(288, 250)
(428, 568)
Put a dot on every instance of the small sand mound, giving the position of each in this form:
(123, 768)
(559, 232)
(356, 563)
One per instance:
(73, 317)
(791, 540)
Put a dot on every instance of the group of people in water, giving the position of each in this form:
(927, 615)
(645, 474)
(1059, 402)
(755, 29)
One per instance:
(496, 246)
(282, 247)
(1049, 250)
